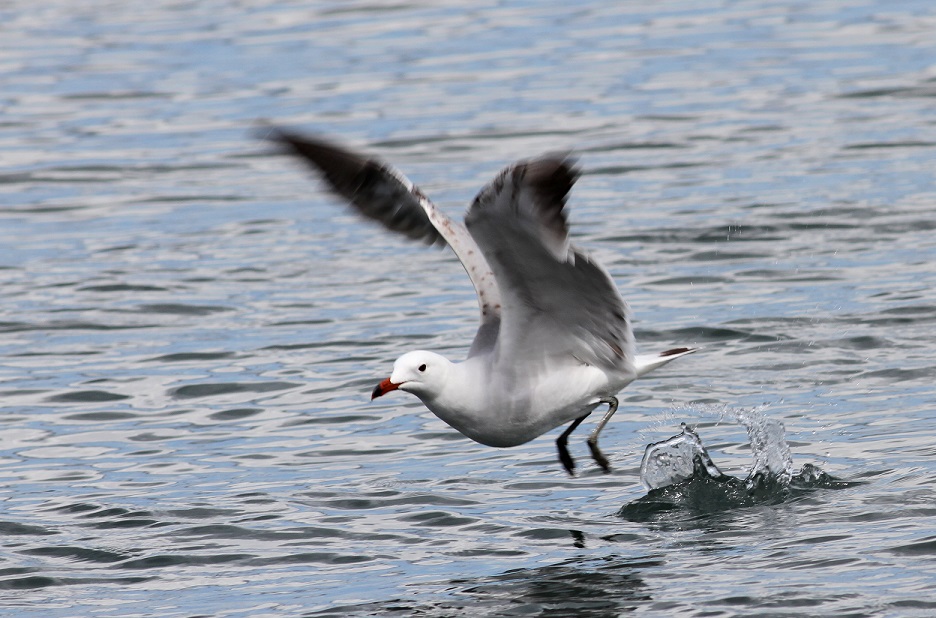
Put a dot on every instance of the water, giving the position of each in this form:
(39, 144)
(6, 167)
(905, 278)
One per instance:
(675, 459)
(682, 478)
(190, 330)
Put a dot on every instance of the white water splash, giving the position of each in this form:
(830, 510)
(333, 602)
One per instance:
(769, 448)
(674, 460)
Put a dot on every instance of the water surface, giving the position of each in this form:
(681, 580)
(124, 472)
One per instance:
(190, 329)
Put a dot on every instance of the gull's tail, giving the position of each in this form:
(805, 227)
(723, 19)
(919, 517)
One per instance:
(645, 363)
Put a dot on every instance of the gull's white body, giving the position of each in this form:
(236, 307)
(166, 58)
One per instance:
(514, 405)
(555, 338)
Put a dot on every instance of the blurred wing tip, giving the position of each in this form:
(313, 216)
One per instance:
(677, 352)
(277, 134)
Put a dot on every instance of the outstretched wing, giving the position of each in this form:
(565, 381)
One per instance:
(380, 192)
(557, 301)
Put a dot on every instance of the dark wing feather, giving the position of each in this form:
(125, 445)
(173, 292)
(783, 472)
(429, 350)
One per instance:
(380, 192)
(377, 190)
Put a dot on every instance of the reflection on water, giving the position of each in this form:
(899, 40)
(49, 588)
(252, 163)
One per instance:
(575, 587)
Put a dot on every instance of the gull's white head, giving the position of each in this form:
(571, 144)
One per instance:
(421, 373)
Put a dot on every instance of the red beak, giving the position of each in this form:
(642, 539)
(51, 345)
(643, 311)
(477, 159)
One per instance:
(383, 388)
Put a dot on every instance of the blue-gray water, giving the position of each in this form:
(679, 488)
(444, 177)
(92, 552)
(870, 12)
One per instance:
(190, 329)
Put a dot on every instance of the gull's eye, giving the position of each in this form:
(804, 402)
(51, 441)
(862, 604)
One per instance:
(422, 367)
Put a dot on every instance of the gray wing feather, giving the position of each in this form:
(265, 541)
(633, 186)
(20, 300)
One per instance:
(557, 300)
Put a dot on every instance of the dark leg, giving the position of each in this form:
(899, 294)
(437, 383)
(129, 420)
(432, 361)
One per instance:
(561, 442)
(596, 453)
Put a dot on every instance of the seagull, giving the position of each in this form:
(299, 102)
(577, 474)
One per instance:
(555, 340)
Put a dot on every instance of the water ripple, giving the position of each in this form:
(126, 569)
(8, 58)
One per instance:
(191, 329)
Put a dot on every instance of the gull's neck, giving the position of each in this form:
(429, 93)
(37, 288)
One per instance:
(461, 400)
